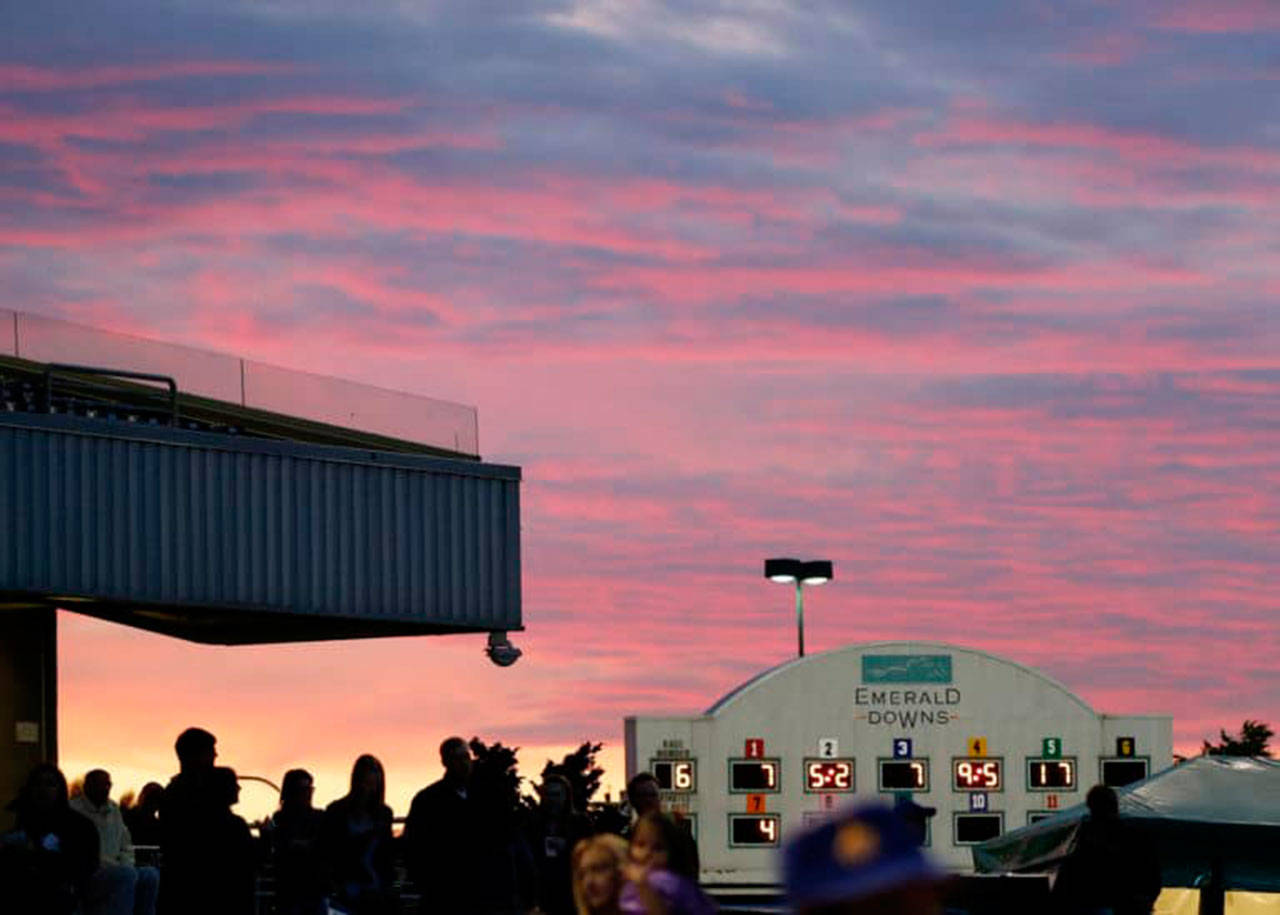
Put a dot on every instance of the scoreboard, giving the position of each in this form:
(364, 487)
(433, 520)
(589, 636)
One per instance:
(991, 744)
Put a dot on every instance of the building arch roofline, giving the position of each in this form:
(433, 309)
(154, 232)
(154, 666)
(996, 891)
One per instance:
(751, 684)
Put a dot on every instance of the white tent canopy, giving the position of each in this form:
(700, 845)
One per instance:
(1210, 812)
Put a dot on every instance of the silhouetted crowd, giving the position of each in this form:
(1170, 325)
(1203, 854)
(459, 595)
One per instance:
(467, 850)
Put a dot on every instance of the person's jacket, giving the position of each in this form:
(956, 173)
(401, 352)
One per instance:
(115, 844)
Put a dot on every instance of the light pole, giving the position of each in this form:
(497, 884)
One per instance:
(810, 572)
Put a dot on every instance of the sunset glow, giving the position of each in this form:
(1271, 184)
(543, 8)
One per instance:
(977, 300)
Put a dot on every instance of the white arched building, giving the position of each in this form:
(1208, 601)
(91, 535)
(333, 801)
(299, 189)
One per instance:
(990, 744)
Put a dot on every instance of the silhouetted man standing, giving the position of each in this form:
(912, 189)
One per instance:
(440, 834)
(188, 812)
(1110, 869)
(643, 795)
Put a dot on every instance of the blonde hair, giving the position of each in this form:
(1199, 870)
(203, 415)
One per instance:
(614, 846)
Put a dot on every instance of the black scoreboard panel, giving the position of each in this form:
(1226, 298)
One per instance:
(828, 776)
(976, 773)
(1051, 774)
(972, 828)
(902, 774)
(754, 830)
(755, 776)
(675, 774)
(1117, 773)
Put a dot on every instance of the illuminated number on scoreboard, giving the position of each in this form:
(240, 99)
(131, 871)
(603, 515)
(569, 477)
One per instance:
(748, 831)
(675, 774)
(972, 774)
(754, 776)
(903, 775)
(828, 776)
(1051, 774)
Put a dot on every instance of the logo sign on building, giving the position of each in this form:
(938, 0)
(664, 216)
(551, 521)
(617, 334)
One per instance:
(906, 668)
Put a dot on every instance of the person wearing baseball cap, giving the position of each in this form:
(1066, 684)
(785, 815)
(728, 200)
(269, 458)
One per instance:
(863, 861)
(915, 817)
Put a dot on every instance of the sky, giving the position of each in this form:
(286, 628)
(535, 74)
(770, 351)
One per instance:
(978, 300)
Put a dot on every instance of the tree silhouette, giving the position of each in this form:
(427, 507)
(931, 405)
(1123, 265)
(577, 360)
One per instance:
(1251, 742)
(580, 768)
(495, 775)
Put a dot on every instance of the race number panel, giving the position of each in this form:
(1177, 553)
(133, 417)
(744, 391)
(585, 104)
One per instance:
(828, 776)
(679, 775)
(748, 830)
(1116, 773)
(755, 776)
(902, 774)
(972, 773)
(1051, 774)
(972, 828)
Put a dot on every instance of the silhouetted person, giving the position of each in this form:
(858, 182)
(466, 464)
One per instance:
(503, 865)
(643, 795)
(231, 861)
(1109, 869)
(187, 813)
(356, 843)
(441, 836)
(293, 835)
(915, 817)
(1213, 888)
(554, 829)
(47, 861)
(118, 887)
(143, 818)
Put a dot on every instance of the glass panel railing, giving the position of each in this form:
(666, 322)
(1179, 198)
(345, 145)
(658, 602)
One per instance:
(348, 404)
(196, 371)
(361, 406)
(8, 332)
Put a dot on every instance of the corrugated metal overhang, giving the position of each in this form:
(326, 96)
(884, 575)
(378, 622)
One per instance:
(233, 540)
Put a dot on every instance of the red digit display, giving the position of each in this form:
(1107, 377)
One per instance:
(975, 774)
(828, 776)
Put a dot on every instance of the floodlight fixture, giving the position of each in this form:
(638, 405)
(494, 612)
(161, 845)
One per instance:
(786, 570)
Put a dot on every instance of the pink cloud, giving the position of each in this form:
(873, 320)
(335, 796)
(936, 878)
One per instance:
(1220, 16)
(25, 78)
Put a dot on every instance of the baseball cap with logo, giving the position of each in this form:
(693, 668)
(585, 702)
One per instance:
(862, 851)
